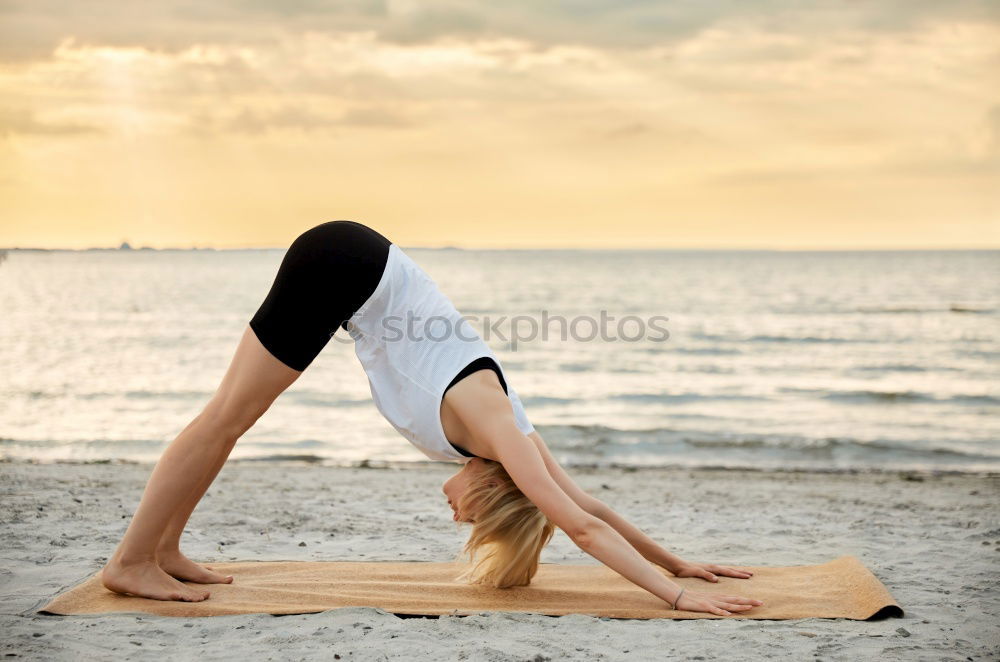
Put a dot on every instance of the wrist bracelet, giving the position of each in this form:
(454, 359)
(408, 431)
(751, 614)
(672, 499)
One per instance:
(674, 606)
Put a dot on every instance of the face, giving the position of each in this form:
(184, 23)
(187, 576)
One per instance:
(456, 486)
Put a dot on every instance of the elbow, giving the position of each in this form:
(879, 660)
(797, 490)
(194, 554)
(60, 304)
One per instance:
(585, 532)
(597, 508)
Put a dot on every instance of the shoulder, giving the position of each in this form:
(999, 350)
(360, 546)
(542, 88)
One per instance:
(480, 403)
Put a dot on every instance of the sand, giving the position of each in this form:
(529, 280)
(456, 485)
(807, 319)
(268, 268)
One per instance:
(934, 540)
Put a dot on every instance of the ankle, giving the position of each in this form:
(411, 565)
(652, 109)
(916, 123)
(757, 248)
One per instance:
(126, 559)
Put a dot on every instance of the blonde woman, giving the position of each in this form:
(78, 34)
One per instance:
(438, 383)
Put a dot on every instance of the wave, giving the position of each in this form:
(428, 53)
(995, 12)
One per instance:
(825, 444)
(120, 445)
(862, 395)
(542, 400)
(321, 400)
(131, 395)
(673, 444)
(301, 443)
(957, 308)
(583, 445)
(898, 309)
(699, 351)
(576, 367)
(311, 399)
(911, 309)
(772, 338)
(978, 354)
(970, 399)
(79, 443)
(900, 367)
(682, 397)
(284, 457)
(802, 339)
(873, 396)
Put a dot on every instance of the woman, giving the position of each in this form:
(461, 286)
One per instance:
(438, 384)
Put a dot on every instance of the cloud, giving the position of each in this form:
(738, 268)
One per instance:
(20, 121)
(935, 168)
(628, 130)
(378, 117)
(538, 109)
(254, 121)
(992, 120)
(31, 29)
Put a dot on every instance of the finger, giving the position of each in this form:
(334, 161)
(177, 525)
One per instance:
(737, 599)
(720, 612)
(732, 606)
(738, 607)
(705, 574)
(721, 569)
(731, 572)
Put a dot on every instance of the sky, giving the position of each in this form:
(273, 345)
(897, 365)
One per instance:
(770, 124)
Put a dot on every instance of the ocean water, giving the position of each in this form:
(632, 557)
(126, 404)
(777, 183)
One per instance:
(821, 360)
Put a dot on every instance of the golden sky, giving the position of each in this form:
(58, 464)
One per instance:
(735, 124)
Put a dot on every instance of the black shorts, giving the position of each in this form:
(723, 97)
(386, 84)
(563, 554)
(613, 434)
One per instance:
(328, 272)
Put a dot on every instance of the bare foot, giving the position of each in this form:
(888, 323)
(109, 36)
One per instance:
(147, 580)
(177, 565)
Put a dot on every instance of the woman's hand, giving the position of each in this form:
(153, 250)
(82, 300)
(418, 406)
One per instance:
(708, 571)
(722, 605)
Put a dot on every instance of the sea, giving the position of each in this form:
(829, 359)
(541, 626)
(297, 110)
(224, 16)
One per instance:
(813, 360)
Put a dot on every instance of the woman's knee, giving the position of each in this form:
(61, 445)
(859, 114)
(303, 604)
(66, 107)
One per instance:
(230, 418)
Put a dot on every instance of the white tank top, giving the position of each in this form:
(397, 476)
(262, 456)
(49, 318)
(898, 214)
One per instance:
(409, 364)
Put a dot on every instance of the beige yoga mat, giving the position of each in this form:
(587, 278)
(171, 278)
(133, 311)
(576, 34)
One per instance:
(842, 588)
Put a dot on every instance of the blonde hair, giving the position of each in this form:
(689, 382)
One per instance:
(508, 532)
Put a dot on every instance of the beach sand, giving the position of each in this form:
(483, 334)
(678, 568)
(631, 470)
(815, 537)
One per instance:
(934, 540)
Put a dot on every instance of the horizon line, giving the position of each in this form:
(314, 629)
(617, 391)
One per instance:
(636, 249)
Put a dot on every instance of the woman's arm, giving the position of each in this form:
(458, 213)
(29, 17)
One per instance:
(521, 459)
(642, 543)
(486, 412)
(646, 546)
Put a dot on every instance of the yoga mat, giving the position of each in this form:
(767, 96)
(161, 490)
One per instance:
(842, 588)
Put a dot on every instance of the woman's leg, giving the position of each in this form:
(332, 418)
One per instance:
(325, 275)
(186, 469)
(168, 552)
